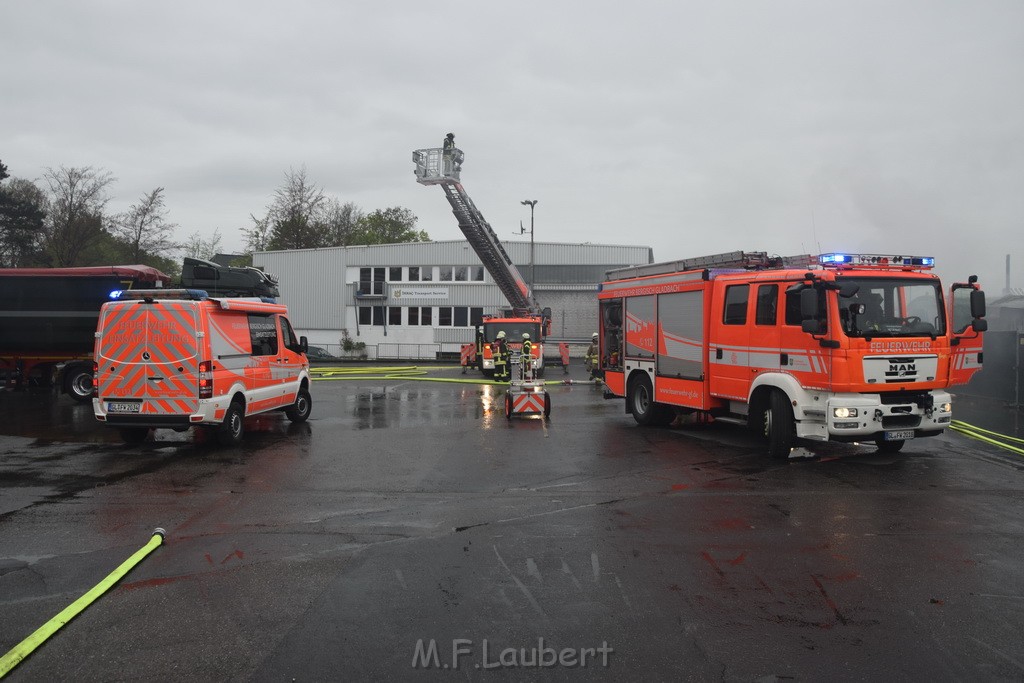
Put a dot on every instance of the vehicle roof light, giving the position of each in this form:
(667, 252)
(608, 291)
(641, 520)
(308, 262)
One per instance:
(190, 294)
(876, 260)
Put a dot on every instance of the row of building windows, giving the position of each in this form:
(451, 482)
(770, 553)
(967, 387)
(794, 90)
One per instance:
(422, 274)
(446, 316)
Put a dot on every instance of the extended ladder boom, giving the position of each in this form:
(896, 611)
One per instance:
(435, 166)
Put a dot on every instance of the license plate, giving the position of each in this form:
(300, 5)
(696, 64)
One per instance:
(123, 407)
(901, 435)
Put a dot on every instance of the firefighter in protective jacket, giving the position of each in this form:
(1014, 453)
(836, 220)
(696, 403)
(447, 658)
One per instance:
(526, 359)
(591, 359)
(500, 350)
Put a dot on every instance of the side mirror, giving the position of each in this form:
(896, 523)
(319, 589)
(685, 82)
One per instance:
(977, 303)
(979, 325)
(848, 289)
(304, 344)
(808, 303)
(812, 326)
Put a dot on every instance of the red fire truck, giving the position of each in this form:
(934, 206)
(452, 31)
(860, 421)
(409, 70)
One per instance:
(838, 347)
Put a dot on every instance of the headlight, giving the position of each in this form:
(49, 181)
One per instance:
(945, 407)
(844, 412)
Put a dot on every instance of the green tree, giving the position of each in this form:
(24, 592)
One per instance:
(389, 226)
(295, 214)
(145, 230)
(341, 222)
(22, 221)
(78, 197)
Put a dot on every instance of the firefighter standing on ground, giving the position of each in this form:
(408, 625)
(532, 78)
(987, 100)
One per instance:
(526, 359)
(591, 359)
(500, 350)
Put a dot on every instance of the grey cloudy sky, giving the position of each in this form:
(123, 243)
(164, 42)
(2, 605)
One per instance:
(691, 127)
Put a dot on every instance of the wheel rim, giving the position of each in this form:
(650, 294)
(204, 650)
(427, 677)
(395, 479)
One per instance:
(82, 384)
(302, 405)
(642, 400)
(236, 424)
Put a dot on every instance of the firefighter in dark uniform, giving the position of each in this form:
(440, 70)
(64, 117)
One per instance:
(500, 350)
(526, 359)
(447, 151)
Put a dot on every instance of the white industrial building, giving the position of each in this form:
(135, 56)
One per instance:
(423, 299)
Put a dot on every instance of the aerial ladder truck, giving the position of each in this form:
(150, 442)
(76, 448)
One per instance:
(437, 166)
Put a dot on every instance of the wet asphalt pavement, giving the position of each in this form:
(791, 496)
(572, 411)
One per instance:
(408, 526)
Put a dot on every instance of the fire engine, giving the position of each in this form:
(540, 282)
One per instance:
(437, 166)
(838, 347)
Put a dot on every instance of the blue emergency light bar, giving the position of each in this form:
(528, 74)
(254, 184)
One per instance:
(876, 260)
(165, 294)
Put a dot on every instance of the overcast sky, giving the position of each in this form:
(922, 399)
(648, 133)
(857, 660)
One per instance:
(693, 127)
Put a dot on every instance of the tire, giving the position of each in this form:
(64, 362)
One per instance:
(134, 434)
(300, 410)
(779, 426)
(508, 406)
(642, 405)
(889, 446)
(232, 429)
(78, 383)
(547, 404)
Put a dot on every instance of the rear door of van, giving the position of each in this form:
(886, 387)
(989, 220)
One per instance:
(148, 357)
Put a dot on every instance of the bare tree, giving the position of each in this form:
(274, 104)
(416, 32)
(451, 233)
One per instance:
(257, 238)
(198, 246)
(78, 197)
(341, 222)
(145, 229)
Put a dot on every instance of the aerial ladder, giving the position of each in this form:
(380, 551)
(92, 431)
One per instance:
(438, 166)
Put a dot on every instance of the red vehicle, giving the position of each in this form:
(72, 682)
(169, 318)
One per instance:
(841, 347)
(48, 320)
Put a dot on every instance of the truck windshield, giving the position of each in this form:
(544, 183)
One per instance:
(892, 307)
(513, 330)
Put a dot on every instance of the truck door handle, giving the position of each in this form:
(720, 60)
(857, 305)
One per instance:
(784, 358)
(718, 354)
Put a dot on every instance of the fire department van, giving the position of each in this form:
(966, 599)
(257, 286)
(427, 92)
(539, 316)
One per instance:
(841, 347)
(177, 358)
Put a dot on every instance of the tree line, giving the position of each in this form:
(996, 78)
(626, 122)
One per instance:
(62, 220)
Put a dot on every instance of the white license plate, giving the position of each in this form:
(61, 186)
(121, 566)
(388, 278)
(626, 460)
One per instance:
(901, 435)
(123, 407)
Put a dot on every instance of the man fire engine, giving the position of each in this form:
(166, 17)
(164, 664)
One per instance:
(840, 347)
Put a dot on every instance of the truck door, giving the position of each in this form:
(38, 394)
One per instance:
(801, 353)
(766, 354)
(965, 343)
(729, 341)
(287, 364)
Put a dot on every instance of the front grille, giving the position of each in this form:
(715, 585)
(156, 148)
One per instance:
(898, 397)
(901, 421)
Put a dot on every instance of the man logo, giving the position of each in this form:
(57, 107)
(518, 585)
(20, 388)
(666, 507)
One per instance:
(902, 370)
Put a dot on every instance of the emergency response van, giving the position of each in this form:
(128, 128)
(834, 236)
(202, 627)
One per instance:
(178, 358)
(841, 347)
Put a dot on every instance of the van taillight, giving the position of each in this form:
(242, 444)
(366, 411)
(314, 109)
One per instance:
(95, 379)
(206, 379)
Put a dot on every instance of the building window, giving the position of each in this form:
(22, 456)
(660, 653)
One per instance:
(476, 273)
(476, 316)
(414, 315)
(735, 312)
(444, 316)
(371, 281)
(444, 273)
(365, 315)
(767, 305)
(395, 274)
(395, 315)
(425, 316)
(461, 273)
(414, 273)
(427, 273)
(378, 315)
(461, 316)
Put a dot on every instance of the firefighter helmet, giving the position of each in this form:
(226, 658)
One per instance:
(501, 334)
(450, 135)
(594, 336)
(526, 335)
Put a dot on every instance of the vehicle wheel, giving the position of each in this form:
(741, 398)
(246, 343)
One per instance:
(134, 434)
(233, 427)
(547, 404)
(889, 446)
(78, 384)
(508, 406)
(300, 410)
(779, 426)
(645, 410)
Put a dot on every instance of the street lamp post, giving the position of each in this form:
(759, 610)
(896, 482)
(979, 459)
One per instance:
(531, 203)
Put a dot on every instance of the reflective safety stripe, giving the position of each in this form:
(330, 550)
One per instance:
(528, 403)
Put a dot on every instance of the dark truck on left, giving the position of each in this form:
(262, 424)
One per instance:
(48, 321)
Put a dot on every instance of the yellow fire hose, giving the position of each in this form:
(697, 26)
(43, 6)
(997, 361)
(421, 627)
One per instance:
(987, 436)
(26, 647)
